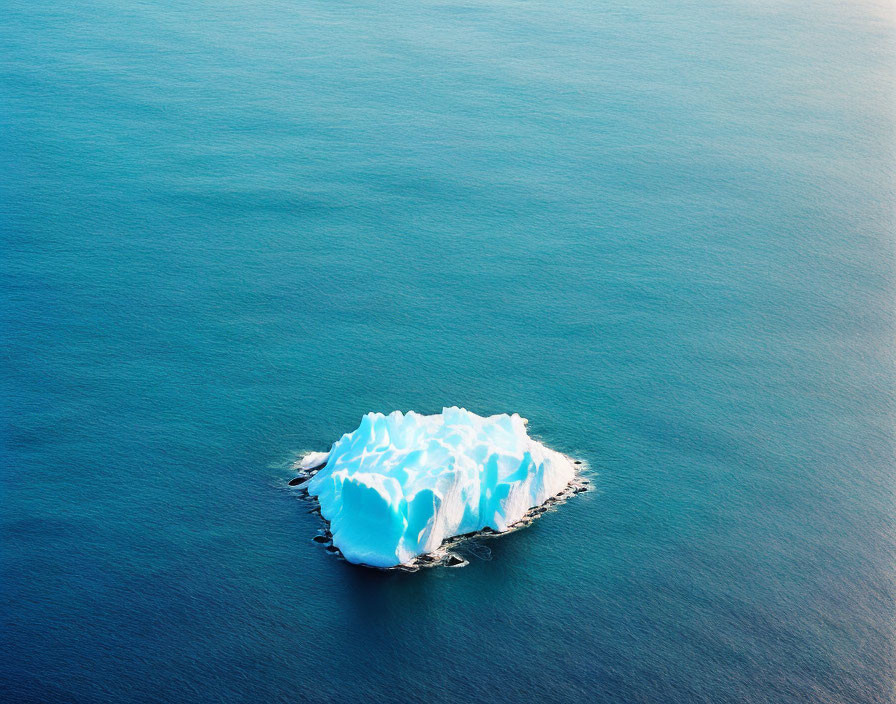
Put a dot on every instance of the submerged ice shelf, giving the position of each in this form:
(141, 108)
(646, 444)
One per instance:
(401, 484)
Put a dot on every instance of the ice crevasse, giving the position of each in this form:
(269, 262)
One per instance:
(401, 484)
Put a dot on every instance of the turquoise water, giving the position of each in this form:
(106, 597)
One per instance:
(663, 232)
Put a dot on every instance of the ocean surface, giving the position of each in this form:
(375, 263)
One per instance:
(662, 231)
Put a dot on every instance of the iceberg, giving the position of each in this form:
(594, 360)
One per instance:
(402, 484)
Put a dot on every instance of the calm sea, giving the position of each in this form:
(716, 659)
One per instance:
(662, 231)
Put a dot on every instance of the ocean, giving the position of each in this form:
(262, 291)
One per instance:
(663, 232)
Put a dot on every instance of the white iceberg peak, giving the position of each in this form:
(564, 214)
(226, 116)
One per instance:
(400, 485)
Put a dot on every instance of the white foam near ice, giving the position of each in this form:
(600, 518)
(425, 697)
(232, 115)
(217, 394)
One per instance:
(402, 484)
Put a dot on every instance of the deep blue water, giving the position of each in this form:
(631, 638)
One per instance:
(662, 231)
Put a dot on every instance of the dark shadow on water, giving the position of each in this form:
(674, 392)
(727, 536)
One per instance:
(378, 596)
